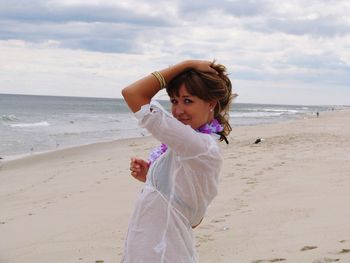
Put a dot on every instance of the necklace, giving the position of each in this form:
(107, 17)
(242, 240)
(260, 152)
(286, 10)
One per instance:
(213, 127)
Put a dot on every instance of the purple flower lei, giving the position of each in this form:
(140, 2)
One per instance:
(213, 127)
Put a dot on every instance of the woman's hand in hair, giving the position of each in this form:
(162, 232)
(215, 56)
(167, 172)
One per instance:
(202, 66)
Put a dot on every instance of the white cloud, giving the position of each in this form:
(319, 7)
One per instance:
(271, 48)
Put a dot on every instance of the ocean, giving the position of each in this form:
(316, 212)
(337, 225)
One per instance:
(31, 124)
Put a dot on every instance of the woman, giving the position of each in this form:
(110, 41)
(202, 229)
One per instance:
(181, 176)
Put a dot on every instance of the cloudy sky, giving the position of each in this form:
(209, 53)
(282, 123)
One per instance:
(281, 52)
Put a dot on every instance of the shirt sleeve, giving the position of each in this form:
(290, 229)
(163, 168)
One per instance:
(181, 138)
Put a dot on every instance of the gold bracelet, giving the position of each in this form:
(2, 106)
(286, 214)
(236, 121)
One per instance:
(160, 79)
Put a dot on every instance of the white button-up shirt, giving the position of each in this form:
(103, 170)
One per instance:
(179, 187)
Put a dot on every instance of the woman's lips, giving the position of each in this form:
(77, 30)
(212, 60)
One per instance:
(184, 120)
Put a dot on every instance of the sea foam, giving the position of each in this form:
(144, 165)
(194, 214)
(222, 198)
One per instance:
(26, 125)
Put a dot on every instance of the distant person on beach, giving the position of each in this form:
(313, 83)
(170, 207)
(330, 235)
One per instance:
(317, 114)
(181, 175)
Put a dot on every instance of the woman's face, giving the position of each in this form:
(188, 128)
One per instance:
(191, 110)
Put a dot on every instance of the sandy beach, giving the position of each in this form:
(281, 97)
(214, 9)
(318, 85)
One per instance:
(285, 199)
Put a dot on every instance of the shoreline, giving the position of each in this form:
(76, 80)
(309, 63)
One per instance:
(9, 158)
(71, 150)
(283, 199)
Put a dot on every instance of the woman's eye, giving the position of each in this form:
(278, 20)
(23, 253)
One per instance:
(187, 101)
(173, 101)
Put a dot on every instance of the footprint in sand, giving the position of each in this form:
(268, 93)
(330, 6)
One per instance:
(205, 238)
(308, 248)
(278, 164)
(230, 175)
(344, 251)
(325, 260)
(217, 220)
(269, 260)
(208, 226)
(252, 182)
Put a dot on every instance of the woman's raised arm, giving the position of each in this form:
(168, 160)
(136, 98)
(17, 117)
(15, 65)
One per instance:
(142, 91)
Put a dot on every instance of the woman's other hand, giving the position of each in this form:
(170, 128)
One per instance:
(202, 65)
(139, 169)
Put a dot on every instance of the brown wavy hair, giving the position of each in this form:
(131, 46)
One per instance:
(208, 87)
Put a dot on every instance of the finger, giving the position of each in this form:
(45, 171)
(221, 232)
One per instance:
(135, 169)
(212, 70)
(206, 66)
(137, 162)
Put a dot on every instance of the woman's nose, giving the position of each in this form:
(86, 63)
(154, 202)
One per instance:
(178, 110)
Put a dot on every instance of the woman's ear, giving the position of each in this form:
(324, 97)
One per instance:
(212, 104)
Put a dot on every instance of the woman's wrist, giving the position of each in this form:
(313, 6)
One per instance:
(174, 70)
(187, 64)
(168, 74)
